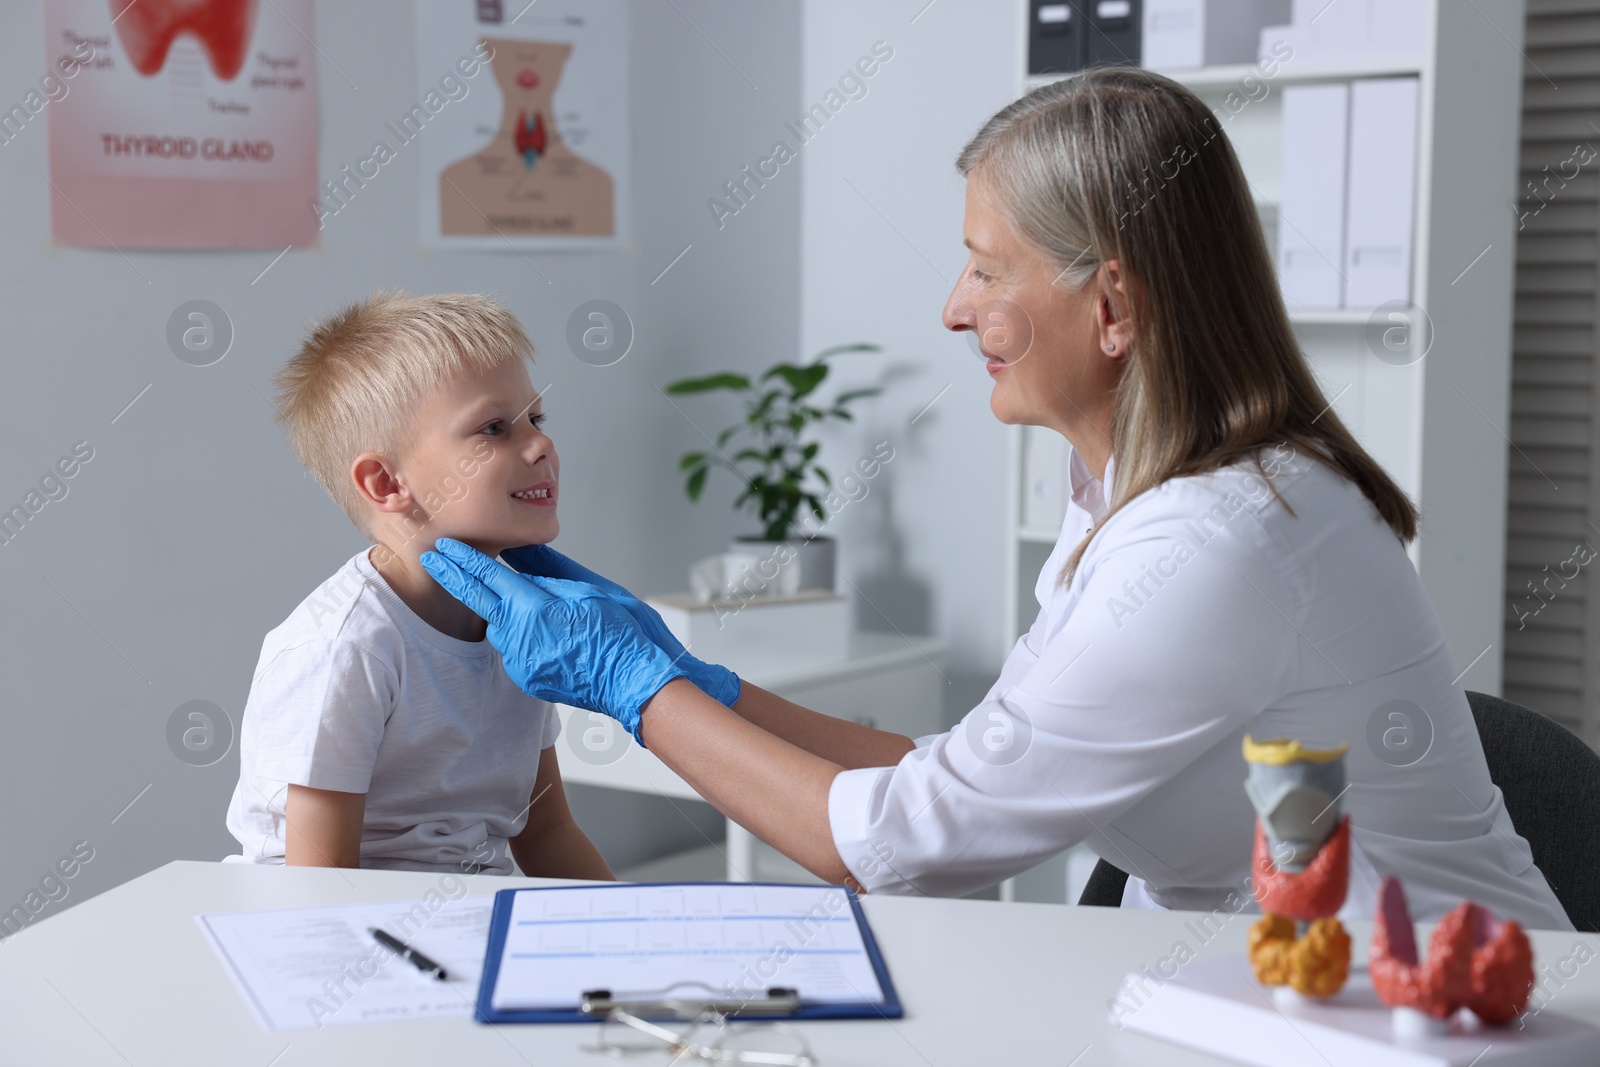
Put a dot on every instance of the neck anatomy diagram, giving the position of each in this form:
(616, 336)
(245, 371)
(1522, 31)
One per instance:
(527, 181)
(147, 29)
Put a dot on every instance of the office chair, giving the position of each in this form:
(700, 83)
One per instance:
(1551, 784)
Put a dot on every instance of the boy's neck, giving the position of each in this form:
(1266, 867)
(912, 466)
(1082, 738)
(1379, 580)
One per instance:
(416, 588)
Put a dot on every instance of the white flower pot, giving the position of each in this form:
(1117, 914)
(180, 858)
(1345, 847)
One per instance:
(814, 558)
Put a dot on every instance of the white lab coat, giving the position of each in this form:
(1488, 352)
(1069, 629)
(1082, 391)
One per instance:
(1204, 611)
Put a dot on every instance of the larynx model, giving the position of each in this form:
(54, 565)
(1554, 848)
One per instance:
(1300, 869)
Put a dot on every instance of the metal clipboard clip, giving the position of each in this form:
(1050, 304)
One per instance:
(655, 1004)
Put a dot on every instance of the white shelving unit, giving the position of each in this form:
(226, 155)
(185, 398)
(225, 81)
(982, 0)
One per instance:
(1438, 426)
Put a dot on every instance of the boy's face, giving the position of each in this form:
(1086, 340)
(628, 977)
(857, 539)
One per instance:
(479, 468)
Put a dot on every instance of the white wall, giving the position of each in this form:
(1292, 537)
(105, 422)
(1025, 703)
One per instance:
(193, 531)
(880, 248)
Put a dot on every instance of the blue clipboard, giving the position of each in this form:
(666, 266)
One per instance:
(500, 924)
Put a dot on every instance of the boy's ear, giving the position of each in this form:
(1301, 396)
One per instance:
(379, 485)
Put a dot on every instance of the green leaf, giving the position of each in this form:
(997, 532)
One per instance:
(823, 475)
(801, 380)
(816, 506)
(854, 394)
(810, 451)
(764, 405)
(692, 459)
(697, 483)
(722, 438)
(708, 383)
(749, 453)
(780, 370)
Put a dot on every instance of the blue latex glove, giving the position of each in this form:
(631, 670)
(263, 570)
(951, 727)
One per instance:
(559, 640)
(717, 682)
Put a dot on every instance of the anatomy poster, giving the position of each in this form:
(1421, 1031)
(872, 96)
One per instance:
(191, 124)
(526, 109)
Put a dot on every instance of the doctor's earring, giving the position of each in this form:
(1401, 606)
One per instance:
(1111, 346)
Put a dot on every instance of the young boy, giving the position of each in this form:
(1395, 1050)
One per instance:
(380, 730)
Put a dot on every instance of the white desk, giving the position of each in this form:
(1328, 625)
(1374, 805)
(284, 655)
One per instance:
(888, 681)
(127, 978)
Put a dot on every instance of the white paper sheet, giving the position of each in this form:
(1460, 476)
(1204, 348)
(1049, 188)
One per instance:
(690, 941)
(307, 968)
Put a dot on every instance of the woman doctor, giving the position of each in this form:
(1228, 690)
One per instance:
(1232, 563)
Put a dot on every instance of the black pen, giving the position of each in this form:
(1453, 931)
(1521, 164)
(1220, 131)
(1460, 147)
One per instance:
(409, 954)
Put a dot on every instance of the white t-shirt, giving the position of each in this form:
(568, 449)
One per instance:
(1203, 611)
(355, 692)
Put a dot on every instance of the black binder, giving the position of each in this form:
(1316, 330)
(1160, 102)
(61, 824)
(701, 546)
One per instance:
(1055, 37)
(1113, 31)
(1068, 35)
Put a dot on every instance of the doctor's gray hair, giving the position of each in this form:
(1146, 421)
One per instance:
(1126, 164)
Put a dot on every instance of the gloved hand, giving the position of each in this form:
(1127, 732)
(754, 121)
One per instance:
(717, 682)
(559, 640)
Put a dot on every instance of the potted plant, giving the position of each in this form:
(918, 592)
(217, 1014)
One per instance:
(774, 457)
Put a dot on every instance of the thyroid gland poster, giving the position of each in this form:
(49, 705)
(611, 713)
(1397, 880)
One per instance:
(191, 124)
(520, 125)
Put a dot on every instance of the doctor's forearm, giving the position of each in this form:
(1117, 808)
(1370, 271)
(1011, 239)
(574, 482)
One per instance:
(840, 741)
(776, 790)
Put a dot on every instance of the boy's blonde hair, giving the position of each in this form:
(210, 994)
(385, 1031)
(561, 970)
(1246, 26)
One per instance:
(352, 386)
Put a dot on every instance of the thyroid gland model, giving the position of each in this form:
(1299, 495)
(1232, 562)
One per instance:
(1474, 961)
(147, 29)
(1301, 871)
(1300, 868)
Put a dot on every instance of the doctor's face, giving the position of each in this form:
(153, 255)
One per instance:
(1043, 344)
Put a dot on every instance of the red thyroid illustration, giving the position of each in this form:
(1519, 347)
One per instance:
(1475, 961)
(147, 29)
(530, 137)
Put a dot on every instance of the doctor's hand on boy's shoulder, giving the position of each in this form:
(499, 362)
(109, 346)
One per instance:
(717, 682)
